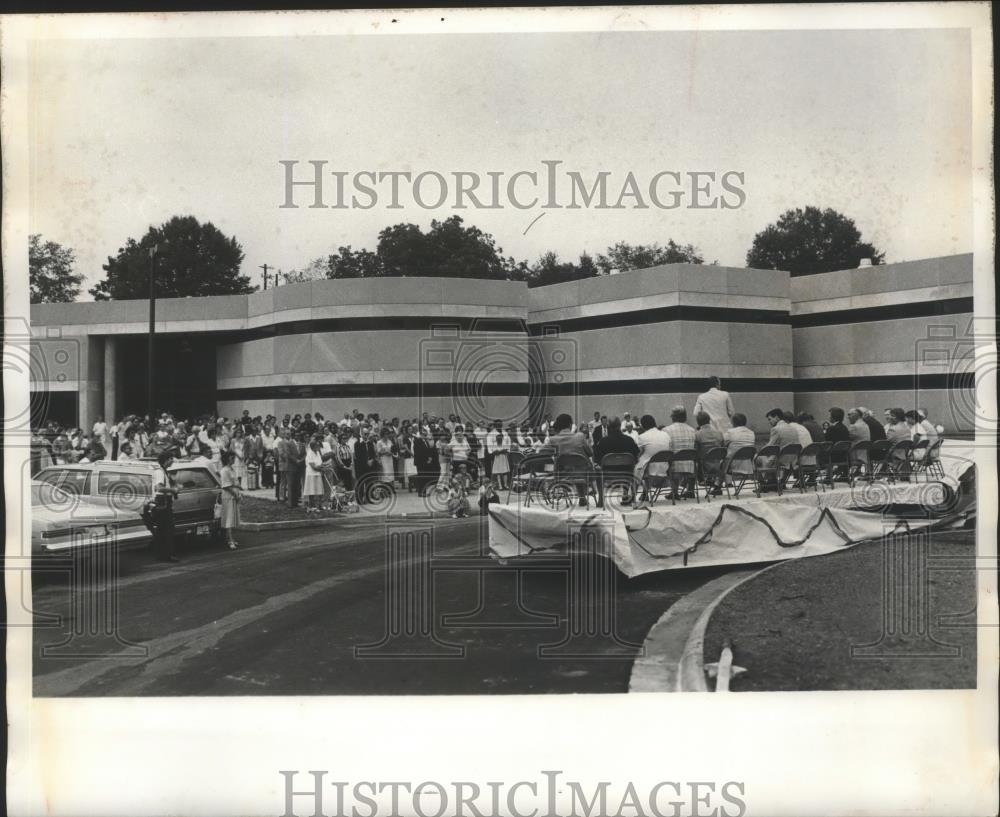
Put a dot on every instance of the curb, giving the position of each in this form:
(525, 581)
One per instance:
(671, 657)
(336, 521)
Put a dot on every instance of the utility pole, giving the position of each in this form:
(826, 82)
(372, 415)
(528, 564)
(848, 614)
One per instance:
(152, 335)
(265, 267)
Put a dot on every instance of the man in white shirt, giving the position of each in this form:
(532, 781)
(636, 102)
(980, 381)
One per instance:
(651, 441)
(928, 429)
(717, 404)
(595, 422)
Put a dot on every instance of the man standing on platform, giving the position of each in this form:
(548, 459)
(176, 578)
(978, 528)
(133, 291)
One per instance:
(717, 404)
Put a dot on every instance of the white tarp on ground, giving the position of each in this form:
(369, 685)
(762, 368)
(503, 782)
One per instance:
(724, 532)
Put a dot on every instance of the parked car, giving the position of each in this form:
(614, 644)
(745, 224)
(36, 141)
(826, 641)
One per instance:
(109, 493)
(61, 520)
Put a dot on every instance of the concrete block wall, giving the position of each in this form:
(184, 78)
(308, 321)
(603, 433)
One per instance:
(642, 341)
(887, 336)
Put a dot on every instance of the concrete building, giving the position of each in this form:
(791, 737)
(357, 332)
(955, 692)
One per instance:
(640, 341)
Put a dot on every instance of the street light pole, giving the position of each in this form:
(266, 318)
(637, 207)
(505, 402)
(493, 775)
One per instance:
(152, 334)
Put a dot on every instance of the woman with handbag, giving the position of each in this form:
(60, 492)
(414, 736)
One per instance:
(231, 492)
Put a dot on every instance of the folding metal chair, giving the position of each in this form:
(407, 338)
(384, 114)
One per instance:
(809, 467)
(711, 470)
(530, 476)
(878, 460)
(690, 477)
(858, 461)
(788, 464)
(934, 467)
(825, 463)
(743, 457)
(765, 469)
(618, 470)
(656, 475)
(898, 458)
(572, 471)
(839, 454)
(918, 458)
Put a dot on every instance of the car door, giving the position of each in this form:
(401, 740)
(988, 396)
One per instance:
(198, 492)
(123, 490)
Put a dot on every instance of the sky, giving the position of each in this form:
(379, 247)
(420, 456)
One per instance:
(875, 124)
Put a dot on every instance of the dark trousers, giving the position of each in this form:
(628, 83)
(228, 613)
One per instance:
(163, 539)
(280, 485)
(295, 486)
(346, 476)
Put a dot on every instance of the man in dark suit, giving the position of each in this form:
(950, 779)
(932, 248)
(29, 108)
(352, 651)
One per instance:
(874, 426)
(601, 430)
(837, 432)
(365, 464)
(425, 457)
(296, 453)
(614, 442)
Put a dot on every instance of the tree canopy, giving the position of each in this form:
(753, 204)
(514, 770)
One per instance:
(549, 270)
(51, 278)
(623, 257)
(190, 259)
(811, 240)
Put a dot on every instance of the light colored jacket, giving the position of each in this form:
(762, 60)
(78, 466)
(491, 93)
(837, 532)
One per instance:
(718, 405)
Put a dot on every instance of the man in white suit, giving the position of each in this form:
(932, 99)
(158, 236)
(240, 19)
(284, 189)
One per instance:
(717, 404)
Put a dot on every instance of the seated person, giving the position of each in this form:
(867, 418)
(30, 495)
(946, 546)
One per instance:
(458, 492)
(706, 438)
(615, 442)
(737, 437)
(682, 437)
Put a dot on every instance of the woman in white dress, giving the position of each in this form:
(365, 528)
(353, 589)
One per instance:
(230, 499)
(497, 445)
(312, 487)
(211, 449)
(406, 455)
(460, 447)
(238, 448)
(384, 451)
(443, 446)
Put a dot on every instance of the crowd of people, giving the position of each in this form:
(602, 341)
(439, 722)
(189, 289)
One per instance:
(339, 464)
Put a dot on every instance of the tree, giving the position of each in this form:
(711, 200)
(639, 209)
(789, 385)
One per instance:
(811, 240)
(623, 257)
(549, 270)
(191, 259)
(464, 252)
(51, 278)
(447, 250)
(315, 270)
(349, 263)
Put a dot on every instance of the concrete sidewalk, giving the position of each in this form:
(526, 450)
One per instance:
(403, 504)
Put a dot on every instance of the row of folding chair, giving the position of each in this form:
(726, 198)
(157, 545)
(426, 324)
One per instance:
(818, 465)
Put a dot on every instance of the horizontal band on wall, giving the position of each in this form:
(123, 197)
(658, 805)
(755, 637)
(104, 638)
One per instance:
(425, 323)
(637, 317)
(674, 385)
(889, 312)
